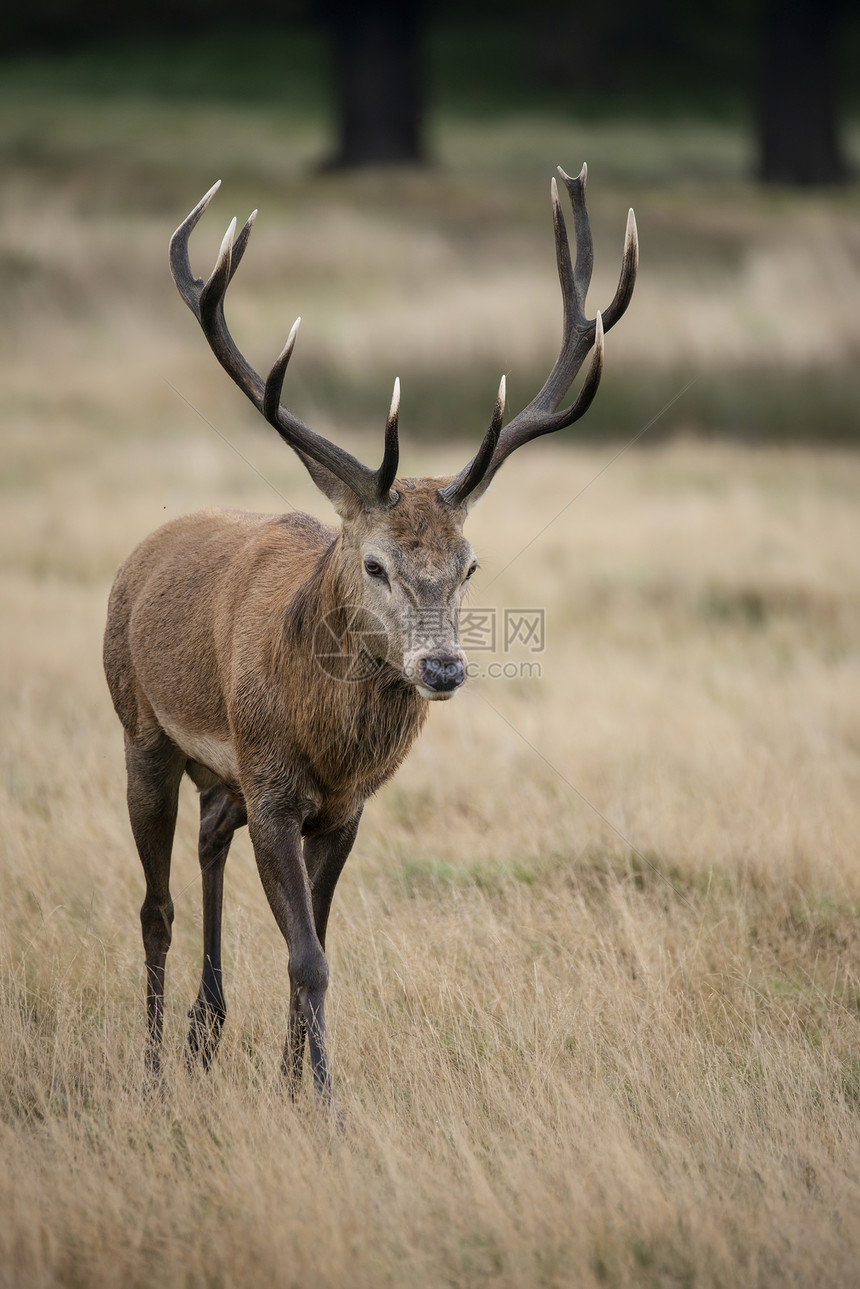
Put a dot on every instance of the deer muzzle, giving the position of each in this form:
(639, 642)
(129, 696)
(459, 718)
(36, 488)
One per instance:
(442, 675)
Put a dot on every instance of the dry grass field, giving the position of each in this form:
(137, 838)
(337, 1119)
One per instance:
(595, 1002)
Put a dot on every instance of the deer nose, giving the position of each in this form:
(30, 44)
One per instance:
(442, 674)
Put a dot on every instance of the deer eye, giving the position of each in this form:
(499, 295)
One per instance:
(472, 570)
(374, 568)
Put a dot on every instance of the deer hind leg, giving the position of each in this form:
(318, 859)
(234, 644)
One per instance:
(325, 856)
(154, 773)
(219, 819)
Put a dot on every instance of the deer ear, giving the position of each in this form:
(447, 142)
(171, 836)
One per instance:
(344, 500)
(477, 492)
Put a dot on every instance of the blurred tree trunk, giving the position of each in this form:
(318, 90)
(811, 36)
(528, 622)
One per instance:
(379, 84)
(798, 124)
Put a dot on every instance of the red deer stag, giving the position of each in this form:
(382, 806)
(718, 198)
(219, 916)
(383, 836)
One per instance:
(219, 660)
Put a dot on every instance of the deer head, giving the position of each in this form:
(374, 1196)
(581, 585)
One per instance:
(402, 560)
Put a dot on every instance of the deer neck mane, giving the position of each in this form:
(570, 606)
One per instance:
(354, 715)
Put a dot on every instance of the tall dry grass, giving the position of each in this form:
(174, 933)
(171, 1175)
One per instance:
(594, 1001)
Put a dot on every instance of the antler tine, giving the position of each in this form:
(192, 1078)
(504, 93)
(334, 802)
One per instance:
(579, 335)
(216, 285)
(210, 315)
(456, 492)
(582, 232)
(275, 381)
(627, 280)
(240, 244)
(387, 472)
(180, 266)
(206, 301)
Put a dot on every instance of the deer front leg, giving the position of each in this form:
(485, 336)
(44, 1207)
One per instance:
(324, 855)
(277, 841)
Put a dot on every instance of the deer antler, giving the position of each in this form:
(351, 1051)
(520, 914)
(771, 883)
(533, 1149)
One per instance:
(206, 302)
(579, 336)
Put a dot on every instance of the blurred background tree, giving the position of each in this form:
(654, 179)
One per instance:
(378, 83)
(798, 109)
(780, 62)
